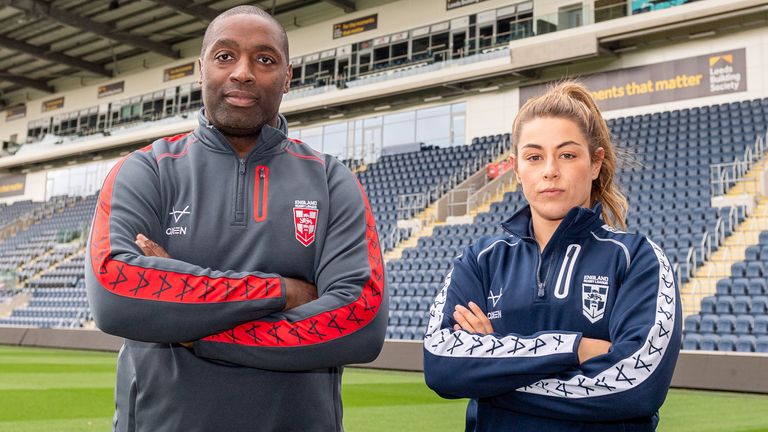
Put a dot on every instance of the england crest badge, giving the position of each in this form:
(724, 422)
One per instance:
(305, 221)
(594, 296)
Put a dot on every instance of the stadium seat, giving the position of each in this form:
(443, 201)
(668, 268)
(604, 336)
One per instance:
(724, 305)
(742, 304)
(708, 324)
(761, 325)
(744, 324)
(726, 324)
(746, 343)
(691, 323)
(727, 343)
(761, 344)
(757, 287)
(723, 287)
(709, 342)
(691, 341)
(739, 286)
(759, 305)
(708, 305)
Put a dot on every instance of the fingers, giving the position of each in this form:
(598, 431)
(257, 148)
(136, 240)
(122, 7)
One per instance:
(482, 318)
(149, 247)
(473, 319)
(461, 315)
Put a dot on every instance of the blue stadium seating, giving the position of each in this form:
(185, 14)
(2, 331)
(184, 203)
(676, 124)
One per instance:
(740, 304)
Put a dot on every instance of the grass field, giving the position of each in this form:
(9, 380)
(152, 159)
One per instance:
(43, 390)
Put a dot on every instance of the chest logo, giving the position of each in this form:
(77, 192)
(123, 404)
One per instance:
(305, 221)
(594, 296)
(495, 298)
(177, 215)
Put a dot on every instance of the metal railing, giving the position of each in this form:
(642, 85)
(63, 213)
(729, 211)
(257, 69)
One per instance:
(410, 204)
(723, 176)
(458, 201)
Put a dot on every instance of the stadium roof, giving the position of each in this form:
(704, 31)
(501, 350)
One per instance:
(42, 40)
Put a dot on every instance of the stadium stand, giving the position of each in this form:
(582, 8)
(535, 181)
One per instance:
(46, 260)
(737, 315)
(403, 184)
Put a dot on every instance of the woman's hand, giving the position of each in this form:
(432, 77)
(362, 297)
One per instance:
(589, 348)
(472, 320)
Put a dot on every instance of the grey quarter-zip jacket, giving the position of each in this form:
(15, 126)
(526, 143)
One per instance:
(234, 228)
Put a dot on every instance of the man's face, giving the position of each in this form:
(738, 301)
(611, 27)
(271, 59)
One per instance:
(244, 74)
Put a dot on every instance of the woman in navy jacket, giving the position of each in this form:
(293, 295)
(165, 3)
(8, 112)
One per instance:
(565, 322)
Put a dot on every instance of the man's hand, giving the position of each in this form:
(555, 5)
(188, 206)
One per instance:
(298, 292)
(589, 348)
(150, 248)
(472, 320)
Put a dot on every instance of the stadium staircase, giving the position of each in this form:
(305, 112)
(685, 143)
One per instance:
(428, 217)
(747, 233)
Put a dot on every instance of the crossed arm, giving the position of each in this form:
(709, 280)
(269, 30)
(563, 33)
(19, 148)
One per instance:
(473, 320)
(297, 292)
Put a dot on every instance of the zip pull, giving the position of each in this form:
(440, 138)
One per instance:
(242, 167)
(571, 251)
(261, 173)
(540, 293)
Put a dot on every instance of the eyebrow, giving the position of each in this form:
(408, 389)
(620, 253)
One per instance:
(233, 44)
(559, 146)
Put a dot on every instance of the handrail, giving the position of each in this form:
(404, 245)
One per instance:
(723, 176)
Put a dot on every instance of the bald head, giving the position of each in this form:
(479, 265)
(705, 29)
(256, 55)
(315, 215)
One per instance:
(243, 10)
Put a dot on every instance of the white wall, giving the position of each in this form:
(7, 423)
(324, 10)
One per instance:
(491, 113)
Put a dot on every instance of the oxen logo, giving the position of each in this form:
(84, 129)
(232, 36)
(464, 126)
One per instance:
(594, 296)
(177, 215)
(305, 221)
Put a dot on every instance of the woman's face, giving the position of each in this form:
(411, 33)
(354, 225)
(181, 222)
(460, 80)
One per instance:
(554, 167)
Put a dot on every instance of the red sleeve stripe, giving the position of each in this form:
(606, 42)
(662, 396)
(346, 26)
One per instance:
(176, 137)
(307, 157)
(183, 152)
(152, 284)
(325, 326)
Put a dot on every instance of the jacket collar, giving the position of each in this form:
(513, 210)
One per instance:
(575, 222)
(269, 141)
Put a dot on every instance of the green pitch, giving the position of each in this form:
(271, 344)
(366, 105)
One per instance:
(43, 390)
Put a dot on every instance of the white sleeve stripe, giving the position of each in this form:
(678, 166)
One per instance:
(493, 245)
(635, 369)
(448, 343)
(622, 245)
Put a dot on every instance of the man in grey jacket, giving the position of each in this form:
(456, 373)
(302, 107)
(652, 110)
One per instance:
(263, 275)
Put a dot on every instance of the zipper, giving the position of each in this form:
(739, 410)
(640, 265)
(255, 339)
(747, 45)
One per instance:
(566, 271)
(261, 189)
(540, 286)
(240, 193)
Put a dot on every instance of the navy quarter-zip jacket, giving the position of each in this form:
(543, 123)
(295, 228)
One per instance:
(590, 281)
(234, 227)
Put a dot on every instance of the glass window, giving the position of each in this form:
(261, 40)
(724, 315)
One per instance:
(335, 140)
(400, 129)
(458, 122)
(433, 126)
(80, 180)
(313, 137)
